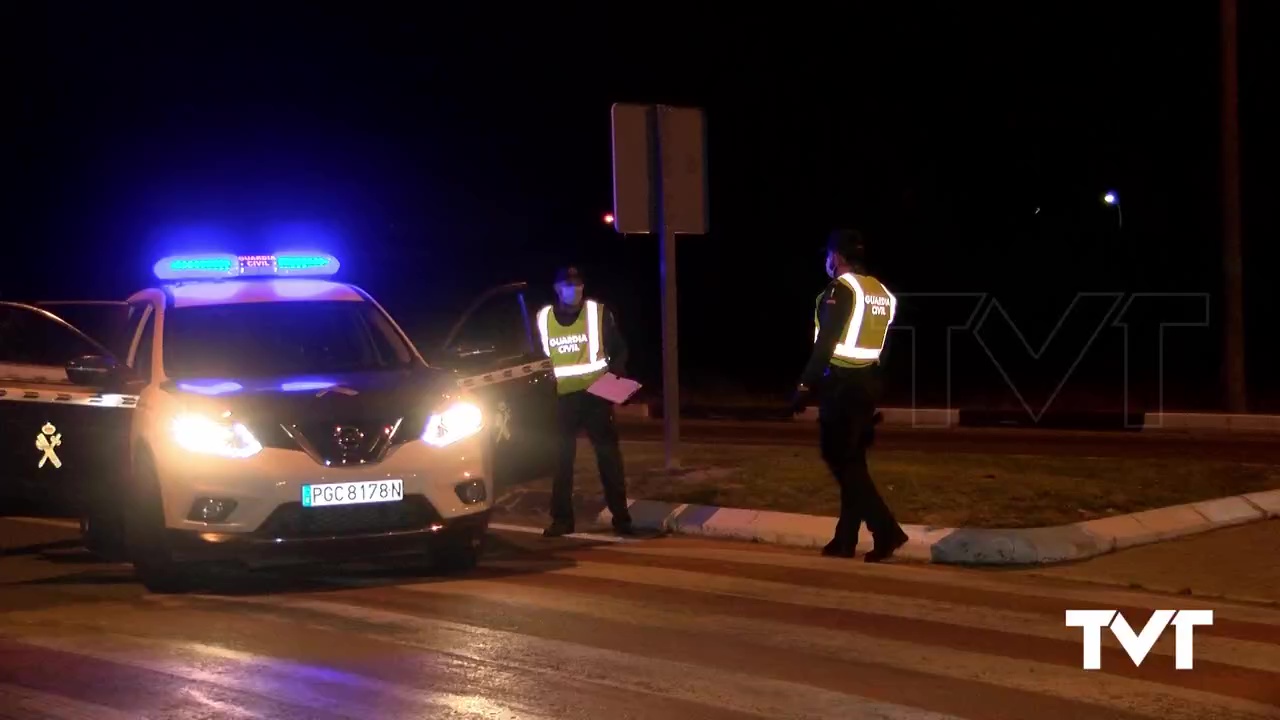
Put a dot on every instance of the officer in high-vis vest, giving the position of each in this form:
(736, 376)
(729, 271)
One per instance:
(583, 342)
(851, 318)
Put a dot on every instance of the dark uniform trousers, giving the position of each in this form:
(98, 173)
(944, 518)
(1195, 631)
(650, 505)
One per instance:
(583, 411)
(846, 416)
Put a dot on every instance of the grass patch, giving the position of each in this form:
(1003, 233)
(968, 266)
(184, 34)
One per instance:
(950, 490)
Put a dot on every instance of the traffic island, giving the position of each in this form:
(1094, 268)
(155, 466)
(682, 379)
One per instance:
(957, 508)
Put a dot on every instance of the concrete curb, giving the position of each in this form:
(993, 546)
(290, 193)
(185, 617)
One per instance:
(950, 546)
(942, 418)
(1211, 421)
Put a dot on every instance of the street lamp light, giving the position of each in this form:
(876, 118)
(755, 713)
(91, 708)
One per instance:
(1111, 198)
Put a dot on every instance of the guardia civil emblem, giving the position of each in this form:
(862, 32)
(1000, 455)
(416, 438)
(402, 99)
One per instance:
(49, 439)
(503, 430)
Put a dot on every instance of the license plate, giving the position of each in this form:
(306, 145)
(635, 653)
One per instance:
(352, 493)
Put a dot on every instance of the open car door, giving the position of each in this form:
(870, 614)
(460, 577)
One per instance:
(66, 399)
(495, 351)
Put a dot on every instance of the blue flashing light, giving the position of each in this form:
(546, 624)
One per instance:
(306, 385)
(211, 387)
(222, 266)
(197, 266)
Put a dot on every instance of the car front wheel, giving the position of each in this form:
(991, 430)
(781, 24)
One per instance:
(458, 553)
(145, 538)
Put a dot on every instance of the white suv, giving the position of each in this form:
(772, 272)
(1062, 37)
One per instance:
(266, 413)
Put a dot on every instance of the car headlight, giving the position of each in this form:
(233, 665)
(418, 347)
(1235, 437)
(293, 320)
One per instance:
(200, 434)
(460, 420)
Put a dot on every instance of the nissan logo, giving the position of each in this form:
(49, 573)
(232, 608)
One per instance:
(348, 438)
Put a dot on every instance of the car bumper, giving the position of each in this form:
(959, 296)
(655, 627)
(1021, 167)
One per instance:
(274, 478)
(265, 548)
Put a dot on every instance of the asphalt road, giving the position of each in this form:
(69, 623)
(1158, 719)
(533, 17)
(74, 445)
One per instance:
(1259, 448)
(663, 628)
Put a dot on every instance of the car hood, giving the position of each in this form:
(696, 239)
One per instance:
(345, 397)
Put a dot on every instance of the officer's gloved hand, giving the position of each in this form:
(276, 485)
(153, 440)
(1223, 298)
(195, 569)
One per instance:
(800, 400)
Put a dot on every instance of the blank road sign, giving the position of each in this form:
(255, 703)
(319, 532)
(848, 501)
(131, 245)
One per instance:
(632, 174)
(639, 133)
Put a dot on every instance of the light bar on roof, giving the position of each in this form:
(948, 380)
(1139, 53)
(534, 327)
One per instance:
(221, 266)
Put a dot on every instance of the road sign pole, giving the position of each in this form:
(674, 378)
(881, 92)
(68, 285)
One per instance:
(660, 188)
(667, 269)
(1232, 260)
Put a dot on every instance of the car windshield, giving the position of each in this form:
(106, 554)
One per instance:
(280, 338)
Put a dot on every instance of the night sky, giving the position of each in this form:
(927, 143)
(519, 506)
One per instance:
(438, 155)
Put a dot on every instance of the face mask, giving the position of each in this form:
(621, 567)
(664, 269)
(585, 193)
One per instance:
(831, 266)
(569, 294)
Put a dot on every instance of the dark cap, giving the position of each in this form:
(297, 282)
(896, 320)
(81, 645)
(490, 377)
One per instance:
(848, 243)
(569, 274)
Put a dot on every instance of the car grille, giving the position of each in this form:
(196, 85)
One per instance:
(355, 442)
(293, 521)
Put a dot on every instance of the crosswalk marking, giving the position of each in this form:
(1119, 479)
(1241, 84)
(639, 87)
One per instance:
(51, 522)
(247, 674)
(39, 705)
(663, 630)
(1237, 652)
(849, 647)
(951, 578)
(769, 698)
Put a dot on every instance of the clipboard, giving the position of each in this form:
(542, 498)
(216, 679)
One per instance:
(616, 390)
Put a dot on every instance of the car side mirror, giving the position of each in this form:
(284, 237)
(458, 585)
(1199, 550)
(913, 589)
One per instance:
(94, 370)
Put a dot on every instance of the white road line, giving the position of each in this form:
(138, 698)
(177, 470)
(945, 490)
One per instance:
(1064, 588)
(54, 522)
(503, 527)
(1011, 671)
(574, 663)
(275, 681)
(47, 705)
(1230, 651)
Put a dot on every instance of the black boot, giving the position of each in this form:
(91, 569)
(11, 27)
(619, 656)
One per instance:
(838, 548)
(558, 529)
(885, 548)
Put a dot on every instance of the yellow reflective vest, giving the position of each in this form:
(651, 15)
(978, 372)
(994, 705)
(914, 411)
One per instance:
(865, 331)
(577, 350)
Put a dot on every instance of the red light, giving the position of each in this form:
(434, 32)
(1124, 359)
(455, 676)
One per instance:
(608, 218)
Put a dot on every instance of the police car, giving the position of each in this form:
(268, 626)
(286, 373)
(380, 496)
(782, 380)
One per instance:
(253, 409)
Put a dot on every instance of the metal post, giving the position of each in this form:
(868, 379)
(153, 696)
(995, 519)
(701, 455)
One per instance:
(1233, 335)
(667, 269)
